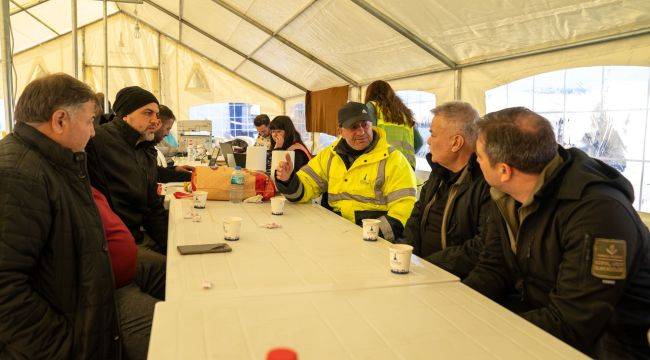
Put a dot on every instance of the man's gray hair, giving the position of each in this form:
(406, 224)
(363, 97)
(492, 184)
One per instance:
(461, 114)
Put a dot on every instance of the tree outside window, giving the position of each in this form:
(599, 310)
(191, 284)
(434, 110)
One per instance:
(602, 110)
(421, 103)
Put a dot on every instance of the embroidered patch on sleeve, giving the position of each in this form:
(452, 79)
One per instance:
(609, 259)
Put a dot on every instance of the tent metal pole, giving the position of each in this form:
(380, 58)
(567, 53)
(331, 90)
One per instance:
(36, 18)
(276, 35)
(206, 57)
(105, 19)
(458, 81)
(27, 7)
(160, 79)
(83, 54)
(125, 67)
(75, 45)
(406, 33)
(226, 45)
(7, 58)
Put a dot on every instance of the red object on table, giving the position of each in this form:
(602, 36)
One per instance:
(282, 354)
(182, 195)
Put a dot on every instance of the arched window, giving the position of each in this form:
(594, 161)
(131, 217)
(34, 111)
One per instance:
(421, 103)
(297, 115)
(228, 119)
(602, 110)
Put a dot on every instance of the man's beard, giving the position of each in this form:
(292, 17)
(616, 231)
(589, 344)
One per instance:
(148, 136)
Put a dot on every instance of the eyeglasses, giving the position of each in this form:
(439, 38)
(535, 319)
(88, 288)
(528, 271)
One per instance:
(360, 124)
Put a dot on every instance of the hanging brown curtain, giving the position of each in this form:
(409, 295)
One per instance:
(322, 109)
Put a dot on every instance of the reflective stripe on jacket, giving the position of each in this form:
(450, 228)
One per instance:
(400, 137)
(381, 180)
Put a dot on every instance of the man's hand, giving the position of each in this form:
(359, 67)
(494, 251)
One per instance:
(284, 169)
(184, 168)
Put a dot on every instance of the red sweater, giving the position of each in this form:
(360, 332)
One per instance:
(121, 244)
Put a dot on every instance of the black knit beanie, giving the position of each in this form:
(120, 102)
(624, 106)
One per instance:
(130, 99)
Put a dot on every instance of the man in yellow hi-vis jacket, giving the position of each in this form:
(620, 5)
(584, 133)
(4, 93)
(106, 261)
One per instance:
(359, 174)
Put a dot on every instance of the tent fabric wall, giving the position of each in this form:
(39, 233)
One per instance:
(135, 62)
(339, 33)
(54, 56)
(177, 63)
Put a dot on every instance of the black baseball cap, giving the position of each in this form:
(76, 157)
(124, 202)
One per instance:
(351, 113)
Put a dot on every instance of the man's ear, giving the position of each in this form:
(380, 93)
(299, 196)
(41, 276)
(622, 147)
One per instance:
(457, 143)
(57, 121)
(505, 172)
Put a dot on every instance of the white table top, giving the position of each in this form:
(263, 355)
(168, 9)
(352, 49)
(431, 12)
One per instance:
(443, 320)
(315, 250)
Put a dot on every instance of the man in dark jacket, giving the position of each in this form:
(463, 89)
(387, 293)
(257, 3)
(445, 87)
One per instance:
(446, 222)
(169, 172)
(56, 287)
(120, 158)
(563, 238)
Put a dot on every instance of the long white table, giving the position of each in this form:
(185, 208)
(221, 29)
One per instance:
(434, 321)
(315, 250)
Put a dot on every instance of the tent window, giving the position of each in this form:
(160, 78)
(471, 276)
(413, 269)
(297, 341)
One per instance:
(298, 117)
(602, 110)
(421, 103)
(228, 119)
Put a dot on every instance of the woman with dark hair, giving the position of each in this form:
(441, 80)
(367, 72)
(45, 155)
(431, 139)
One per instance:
(388, 112)
(284, 136)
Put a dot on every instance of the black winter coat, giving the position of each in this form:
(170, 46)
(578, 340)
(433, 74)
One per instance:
(125, 172)
(56, 283)
(554, 271)
(465, 221)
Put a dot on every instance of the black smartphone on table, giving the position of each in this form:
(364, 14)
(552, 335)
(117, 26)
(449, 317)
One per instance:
(203, 249)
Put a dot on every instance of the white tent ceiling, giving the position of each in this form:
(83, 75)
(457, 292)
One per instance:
(289, 46)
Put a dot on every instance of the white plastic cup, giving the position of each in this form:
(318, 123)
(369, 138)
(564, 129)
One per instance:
(277, 205)
(400, 258)
(200, 198)
(231, 228)
(370, 229)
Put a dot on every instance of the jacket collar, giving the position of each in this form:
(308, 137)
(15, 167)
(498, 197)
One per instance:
(471, 171)
(49, 148)
(128, 133)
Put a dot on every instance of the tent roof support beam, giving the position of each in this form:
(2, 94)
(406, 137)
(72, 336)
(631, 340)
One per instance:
(27, 7)
(276, 35)
(208, 58)
(406, 33)
(36, 18)
(180, 20)
(226, 45)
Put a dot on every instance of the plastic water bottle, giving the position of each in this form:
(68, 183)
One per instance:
(237, 186)
(190, 150)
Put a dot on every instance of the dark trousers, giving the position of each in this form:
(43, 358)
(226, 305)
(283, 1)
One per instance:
(136, 302)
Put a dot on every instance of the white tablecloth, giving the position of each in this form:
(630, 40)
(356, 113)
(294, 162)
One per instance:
(315, 250)
(435, 321)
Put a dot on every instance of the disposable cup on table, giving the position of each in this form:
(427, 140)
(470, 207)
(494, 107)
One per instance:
(400, 258)
(232, 228)
(370, 229)
(277, 205)
(200, 199)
